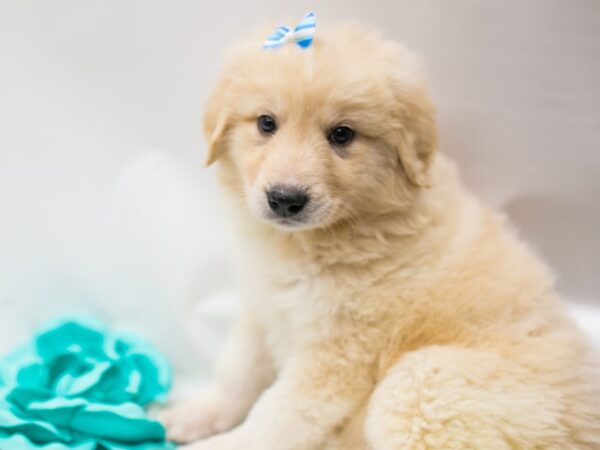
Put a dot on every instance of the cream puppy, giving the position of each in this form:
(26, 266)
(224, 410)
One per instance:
(386, 307)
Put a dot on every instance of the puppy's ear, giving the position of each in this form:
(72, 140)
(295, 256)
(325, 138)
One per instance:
(417, 138)
(216, 123)
(416, 129)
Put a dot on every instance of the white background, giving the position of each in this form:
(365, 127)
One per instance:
(104, 206)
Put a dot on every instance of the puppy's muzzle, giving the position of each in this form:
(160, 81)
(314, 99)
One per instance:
(287, 201)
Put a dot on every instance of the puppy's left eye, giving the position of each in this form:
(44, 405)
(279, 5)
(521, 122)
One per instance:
(266, 124)
(341, 135)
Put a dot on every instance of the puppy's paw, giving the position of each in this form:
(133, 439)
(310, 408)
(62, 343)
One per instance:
(196, 419)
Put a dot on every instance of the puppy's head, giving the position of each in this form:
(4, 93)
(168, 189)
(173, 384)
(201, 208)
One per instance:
(314, 137)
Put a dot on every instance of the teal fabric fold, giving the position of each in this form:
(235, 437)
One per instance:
(77, 386)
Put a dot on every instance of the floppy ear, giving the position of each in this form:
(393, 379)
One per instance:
(216, 123)
(417, 137)
(416, 129)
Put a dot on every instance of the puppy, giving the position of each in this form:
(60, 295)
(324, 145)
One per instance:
(387, 309)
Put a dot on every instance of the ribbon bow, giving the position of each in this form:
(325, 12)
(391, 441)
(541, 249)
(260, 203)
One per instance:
(302, 34)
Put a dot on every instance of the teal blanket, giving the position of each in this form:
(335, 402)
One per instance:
(76, 386)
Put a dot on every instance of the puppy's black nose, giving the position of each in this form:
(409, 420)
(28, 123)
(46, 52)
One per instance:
(287, 201)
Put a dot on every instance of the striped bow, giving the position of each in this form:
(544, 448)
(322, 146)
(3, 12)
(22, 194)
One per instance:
(302, 34)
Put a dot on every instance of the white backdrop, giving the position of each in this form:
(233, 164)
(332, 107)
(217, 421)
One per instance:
(104, 207)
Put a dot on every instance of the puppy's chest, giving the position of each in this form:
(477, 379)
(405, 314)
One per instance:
(297, 307)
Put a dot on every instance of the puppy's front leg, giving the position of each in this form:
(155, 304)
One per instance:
(317, 392)
(243, 372)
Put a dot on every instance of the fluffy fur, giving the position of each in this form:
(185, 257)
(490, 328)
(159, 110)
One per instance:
(400, 313)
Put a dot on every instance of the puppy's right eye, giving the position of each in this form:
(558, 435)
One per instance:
(266, 124)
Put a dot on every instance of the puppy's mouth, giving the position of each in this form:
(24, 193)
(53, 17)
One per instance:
(289, 223)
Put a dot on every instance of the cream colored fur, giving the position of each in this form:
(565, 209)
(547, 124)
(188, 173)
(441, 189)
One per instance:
(403, 315)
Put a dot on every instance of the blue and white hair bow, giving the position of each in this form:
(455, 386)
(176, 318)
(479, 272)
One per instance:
(302, 34)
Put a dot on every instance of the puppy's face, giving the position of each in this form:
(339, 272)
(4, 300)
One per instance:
(313, 137)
